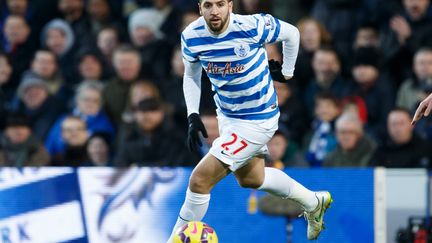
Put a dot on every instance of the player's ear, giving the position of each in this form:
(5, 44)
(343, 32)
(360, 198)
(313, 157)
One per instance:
(230, 5)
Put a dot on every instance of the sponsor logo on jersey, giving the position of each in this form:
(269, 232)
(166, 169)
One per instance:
(213, 68)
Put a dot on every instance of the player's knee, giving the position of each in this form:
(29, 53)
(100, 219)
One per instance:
(250, 183)
(199, 185)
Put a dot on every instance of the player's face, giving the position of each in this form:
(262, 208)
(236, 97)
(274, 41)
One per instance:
(216, 14)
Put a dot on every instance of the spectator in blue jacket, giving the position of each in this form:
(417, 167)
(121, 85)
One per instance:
(89, 108)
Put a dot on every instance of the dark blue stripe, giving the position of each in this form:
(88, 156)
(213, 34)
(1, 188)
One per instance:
(39, 195)
(265, 32)
(260, 116)
(189, 53)
(199, 27)
(277, 31)
(237, 75)
(248, 84)
(257, 109)
(227, 52)
(198, 41)
(242, 99)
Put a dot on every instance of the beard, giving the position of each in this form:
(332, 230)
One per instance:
(218, 25)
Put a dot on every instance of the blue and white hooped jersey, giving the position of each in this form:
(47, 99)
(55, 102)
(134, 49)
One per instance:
(236, 63)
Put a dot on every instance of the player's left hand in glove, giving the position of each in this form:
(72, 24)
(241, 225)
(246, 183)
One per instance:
(276, 71)
(195, 126)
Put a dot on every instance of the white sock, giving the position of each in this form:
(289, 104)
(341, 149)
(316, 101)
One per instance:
(194, 208)
(280, 184)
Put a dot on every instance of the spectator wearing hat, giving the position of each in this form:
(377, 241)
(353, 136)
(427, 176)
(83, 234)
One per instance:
(152, 140)
(88, 107)
(354, 148)
(42, 108)
(18, 147)
(58, 36)
(148, 38)
(374, 87)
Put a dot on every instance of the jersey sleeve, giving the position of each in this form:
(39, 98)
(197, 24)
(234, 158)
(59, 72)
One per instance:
(188, 55)
(269, 27)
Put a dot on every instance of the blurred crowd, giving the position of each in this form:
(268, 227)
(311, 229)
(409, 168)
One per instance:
(99, 83)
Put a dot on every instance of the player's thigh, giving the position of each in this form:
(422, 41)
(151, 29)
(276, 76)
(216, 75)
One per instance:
(252, 174)
(207, 174)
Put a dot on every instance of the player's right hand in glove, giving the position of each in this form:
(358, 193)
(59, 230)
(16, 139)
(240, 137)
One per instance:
(276, 71)
(195, 126)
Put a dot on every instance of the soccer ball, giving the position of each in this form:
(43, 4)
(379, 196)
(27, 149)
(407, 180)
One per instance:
(196, 232)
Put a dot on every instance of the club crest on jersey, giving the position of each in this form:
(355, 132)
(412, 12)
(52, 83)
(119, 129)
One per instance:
(228, 68)
(242, 50)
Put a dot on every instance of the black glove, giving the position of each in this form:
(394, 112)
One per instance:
(276, 71)
(195, 126)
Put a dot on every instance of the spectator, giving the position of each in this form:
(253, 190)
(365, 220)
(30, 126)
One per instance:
(172, 87)
(74, 136)
(100, 15)
(42, 108)
(187, 18)
(313, 35)
(107, 41)
(58, 37)
(139, 90)
(293, 114)
(283, 153)
(44, 67)
(154, 136)
(88, 108)
(148, 38)
(327, 71)
(99, 149)
(341, 18)
(322, 141)
(367, 35)
(357, 106)
(354, 148)
(252, 6)
(171, 20)
(408, 31)
(373, 87)
(18, 44)
(91, 65)
(5, 94)
(416, 88)
(126, 61)
(74, 14)
(18, 146)
(403, 149)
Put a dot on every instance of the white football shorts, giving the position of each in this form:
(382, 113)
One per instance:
(241, 140)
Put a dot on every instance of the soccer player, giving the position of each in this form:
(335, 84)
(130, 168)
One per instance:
(424, 109)
(230, 48)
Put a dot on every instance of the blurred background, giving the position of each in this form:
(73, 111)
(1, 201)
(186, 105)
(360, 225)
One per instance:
(98, 83)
